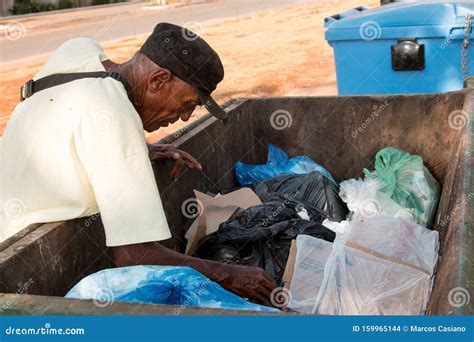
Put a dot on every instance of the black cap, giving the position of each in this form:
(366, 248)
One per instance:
(190, 58)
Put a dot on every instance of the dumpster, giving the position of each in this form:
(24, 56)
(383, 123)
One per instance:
(40, 265)
(402, 48)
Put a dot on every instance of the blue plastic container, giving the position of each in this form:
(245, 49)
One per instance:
(401, 48)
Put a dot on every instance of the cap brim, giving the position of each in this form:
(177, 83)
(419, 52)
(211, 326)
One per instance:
(212, 106)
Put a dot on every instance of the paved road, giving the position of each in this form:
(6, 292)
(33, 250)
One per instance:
(122, 21)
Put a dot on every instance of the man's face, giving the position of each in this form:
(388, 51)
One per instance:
(167, 100)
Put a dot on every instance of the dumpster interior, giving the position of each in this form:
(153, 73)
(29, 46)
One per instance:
(341, 133)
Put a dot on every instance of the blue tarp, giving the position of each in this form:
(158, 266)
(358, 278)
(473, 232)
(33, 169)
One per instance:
(181, 286)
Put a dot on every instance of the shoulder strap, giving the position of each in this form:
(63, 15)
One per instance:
(32, 87)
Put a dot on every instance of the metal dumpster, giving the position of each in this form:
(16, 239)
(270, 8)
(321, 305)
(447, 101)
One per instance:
(38, 266)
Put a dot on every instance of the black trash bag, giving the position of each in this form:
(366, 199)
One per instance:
(313, 190)
(261, 236)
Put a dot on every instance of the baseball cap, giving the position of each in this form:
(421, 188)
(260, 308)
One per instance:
(190, 58)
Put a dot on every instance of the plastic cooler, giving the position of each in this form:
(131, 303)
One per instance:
(402, 48)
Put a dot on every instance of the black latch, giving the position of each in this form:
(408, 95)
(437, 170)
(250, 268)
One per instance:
(408, 55)
(27, 90)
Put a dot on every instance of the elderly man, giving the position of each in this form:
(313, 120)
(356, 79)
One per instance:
(75, 146)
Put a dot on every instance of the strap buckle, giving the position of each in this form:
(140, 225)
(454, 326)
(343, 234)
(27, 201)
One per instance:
(27, 90)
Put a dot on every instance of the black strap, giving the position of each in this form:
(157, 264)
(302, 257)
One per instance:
(32, 87)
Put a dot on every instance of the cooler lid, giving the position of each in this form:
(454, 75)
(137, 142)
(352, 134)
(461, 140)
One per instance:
(426, 14)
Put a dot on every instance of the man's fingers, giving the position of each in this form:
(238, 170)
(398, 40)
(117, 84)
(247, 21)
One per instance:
(176, 170)
(164, 155)
(182, 157)
(266, 301)
(191, 159)
(258, 294)
(264, 288)
(269, 286)
(188, 163)
(252, 295)
(239, 293)
(268, 282)
(262, 298)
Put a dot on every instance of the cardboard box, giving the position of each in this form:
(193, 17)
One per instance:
(214, 211)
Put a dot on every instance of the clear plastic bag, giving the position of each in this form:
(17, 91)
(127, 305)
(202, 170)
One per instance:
(311, 256)
(408, 182)
(381, 266)
(277, 164)
(364, 197)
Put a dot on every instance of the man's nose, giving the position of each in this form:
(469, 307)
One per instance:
(186, 116)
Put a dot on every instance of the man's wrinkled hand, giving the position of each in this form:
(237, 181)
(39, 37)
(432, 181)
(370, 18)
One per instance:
(252, 283)
(169, 152)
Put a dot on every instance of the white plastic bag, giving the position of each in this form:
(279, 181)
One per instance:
(311, 256)
(365, 197)
(381, 266)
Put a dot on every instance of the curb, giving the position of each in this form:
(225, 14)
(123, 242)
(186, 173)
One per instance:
(86, 8)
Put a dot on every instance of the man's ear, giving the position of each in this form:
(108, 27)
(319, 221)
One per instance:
(158, 78)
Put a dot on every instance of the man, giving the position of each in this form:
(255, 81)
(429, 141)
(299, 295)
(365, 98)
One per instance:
(73, 148)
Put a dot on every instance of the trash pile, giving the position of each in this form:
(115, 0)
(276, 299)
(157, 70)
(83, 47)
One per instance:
(383, 258)
(362, 247)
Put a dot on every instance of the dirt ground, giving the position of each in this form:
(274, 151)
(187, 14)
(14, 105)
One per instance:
(271, 53)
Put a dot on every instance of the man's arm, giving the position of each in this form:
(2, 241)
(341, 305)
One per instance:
(248, 282)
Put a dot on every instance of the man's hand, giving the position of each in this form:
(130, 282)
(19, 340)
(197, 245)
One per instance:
(248, 282)
(181, 158)
(252, 283)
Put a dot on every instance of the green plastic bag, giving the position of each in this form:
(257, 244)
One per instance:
(408, 182)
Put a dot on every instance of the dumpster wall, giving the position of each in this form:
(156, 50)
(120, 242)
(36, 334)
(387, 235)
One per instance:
(341, 133)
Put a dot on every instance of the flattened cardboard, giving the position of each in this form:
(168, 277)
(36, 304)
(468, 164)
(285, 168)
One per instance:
(290, 266)
(216, 210)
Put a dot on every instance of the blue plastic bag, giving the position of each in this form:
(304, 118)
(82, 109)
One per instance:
(277, 164)
(180, 286)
